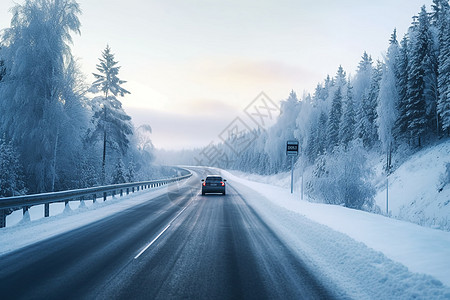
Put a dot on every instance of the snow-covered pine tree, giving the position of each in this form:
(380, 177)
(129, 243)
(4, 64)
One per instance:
(111, 124)
(431, 66)
(119, 175)
(416, 107)
(371, 108)
(89, 175)
(348, 119)
(334, 119)
(311, 148)
(11, 183)
(361, 90)
(401, 123)
(282, 131)
(388, 98)
(442, 12)
(2, 66)
(37, 91)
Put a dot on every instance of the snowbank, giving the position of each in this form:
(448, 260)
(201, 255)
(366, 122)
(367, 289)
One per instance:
(416, 193)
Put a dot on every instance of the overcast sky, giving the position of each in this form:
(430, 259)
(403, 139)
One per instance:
(193, 66)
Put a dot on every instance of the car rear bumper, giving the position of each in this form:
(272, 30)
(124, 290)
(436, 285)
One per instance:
(213, 189)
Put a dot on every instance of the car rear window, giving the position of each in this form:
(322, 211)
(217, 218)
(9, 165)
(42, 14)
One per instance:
(213, 178)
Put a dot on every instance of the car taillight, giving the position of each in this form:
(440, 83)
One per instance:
(204, 183)
(223, 183)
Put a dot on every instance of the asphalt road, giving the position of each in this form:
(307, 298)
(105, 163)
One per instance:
(181, 245)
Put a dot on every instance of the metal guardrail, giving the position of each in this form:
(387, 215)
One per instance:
(26, 201)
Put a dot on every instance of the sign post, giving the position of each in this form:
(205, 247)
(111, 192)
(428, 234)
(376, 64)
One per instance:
(292, 150)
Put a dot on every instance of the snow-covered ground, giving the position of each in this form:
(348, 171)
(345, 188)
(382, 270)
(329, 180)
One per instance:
(415, 190)
(420, 249)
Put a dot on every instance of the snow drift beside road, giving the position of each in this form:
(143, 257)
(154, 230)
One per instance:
(416, 192)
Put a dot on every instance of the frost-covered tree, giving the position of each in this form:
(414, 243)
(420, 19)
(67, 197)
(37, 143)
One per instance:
(401, 123)
(442, 15)
(388, 98)
(143, 136)
(334, 119)
(130, 175)
(282, 131)
(88, 174)
(112, 125)
(421, 50)
(361, 88)
(371, 108)
(119, 175)
(322, 133)
(11, 183)
(343, 178)
(2, 66)
(348, 119)
(41, 107)
(316, 138)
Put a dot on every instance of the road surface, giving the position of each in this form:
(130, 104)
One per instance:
(181, 245)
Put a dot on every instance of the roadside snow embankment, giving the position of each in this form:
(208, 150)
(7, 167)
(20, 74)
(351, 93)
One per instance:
(416, 191)
(408, 251)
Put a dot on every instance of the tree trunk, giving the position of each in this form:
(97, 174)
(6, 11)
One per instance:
(104, 150)
(104, 141)
(54, 160)
(388, 158)
(437, 123)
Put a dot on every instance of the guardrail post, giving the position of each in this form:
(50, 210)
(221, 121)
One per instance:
(104, 196)
(66, 203)
(25, 209)
(2, 218)
(128, 191)
(113, 193)
(121, 192)
(94, 198)
(47, 210)
(138, 188)
(132, 189)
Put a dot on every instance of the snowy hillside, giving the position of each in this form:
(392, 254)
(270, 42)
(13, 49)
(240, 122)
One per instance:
(413, 187)
(416, 191)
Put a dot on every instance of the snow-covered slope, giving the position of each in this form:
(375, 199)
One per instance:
(416, 192)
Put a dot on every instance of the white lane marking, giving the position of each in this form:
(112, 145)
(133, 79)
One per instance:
(162, 232)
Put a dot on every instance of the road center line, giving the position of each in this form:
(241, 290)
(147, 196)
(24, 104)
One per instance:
(162, 232)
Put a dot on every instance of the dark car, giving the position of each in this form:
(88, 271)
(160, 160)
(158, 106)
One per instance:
(213, 184)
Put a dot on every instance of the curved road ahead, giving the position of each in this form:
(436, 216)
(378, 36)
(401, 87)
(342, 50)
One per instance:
(179, 245)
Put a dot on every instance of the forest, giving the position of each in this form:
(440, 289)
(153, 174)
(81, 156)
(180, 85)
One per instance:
(58, 132)
(391, 108)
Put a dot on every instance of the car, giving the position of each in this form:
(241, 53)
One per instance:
(213, 184)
